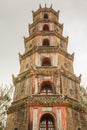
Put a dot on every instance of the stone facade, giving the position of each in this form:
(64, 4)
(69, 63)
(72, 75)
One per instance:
(47, 92)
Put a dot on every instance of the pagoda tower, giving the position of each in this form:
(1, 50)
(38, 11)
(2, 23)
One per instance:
(47, 92)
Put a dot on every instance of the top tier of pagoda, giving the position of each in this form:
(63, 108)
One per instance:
(46, 35)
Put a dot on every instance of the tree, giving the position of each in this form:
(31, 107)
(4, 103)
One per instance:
(6, 93)
(83, 94)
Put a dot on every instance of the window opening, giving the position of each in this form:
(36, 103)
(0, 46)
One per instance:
(46, 88)
(45, 16)
(46, 42)
(45, 27)
(46, 62)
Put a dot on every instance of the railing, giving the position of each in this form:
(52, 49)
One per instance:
(47, 100)
(46, 47)
(52, 99)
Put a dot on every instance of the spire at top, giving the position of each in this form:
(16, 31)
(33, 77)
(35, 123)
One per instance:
(40, 6)
(45, 5)
(51, 6)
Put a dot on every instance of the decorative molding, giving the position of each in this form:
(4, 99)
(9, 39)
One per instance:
(45, 10)
(46, 71)
(49, 49)
(70, 75)
(40, 20)
(45, 33)
(47, 101)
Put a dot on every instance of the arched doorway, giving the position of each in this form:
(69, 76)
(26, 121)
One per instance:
(47, 122)
(15, 128)
(79, 128)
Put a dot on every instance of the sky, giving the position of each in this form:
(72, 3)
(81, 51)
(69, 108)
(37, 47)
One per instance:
(15, 15)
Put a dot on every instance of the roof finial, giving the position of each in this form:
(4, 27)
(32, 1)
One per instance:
(80, 76)
(73, 54)
(40, 6)
(32, 11)
(51, 6)
(58, 11)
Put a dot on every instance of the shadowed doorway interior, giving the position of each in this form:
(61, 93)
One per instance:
(47, 122)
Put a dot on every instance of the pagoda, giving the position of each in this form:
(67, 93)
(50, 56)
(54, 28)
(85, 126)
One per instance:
(47, 92)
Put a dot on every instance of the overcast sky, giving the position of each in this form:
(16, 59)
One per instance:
(15, 15)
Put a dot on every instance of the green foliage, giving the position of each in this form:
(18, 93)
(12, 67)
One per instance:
(6, 93)
(83, 94)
